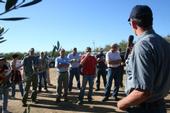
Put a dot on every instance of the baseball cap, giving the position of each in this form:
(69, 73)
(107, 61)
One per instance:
(142, 13)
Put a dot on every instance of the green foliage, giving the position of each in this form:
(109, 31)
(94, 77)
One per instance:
(11, 5)
(2, 32)
(107, 48)
(56, 49)
(31, 3)
(8, 56)
(167, 38)
(123, 45)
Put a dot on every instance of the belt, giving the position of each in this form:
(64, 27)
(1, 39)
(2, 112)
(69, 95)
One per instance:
(63, 72)
(114, 67)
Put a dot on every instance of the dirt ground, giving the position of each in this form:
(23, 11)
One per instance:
(46, 102)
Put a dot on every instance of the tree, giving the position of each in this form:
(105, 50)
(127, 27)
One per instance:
(167, 38)
(56, 49)
(107, 48)
(10, 5)
(123, 45)
(2, 32)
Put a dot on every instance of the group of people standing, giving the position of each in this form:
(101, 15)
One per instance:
(34, 69)
(147, 70)
(90, 67)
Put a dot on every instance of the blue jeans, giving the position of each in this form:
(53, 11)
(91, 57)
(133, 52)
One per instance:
(44, 76)
(148, 108)
(113, 73)
(86, 79)
(4, 96)
(76, 72)
(20, 84)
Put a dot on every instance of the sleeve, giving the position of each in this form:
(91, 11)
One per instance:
(142, 67)
(81, 58)
(69, 58)
(68, 61)
(118, 56)
(56, 62)
(107, 57)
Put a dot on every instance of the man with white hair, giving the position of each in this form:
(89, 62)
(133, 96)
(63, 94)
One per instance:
(113, 61)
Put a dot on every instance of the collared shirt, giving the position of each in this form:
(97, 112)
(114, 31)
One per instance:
(29, 63)
(89, 66)
(101, 61)
(112, 56)
(74, 60)
(148, 66)
(43, 64)
(61, 60)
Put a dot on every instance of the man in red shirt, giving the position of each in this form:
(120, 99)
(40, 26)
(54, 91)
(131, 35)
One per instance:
(88, 63)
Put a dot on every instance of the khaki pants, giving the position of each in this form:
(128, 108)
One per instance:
(34, 80)
(62, 82)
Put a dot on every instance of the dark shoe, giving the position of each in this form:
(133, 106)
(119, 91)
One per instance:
(80, 102)
(46, 90)
(65, 99)
(50, 84)
(39, 91)
(69, 90)
(12, 97)
(98, 89)
(90, 100)
(24, 105)
(121, 84)
(116, 98)
(34, 101)
(78, 87)
(105, 99)
(58, 100)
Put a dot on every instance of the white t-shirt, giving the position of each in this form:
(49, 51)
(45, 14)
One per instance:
(112, 56)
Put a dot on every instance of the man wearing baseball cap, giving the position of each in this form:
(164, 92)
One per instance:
(148, 75)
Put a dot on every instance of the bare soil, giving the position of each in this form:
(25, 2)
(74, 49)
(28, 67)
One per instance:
(46, 101)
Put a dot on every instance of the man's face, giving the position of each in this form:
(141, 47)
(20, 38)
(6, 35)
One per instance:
(31, 53)
(133, 25)
(114, 48)
(74, 51)
(62, 53)
(42, 55)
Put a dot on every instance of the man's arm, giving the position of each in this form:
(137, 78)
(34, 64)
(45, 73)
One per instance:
(83, 60)
(134, 98)
(115, 62)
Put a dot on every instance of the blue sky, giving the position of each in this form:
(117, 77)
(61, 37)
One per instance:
(77, 23)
